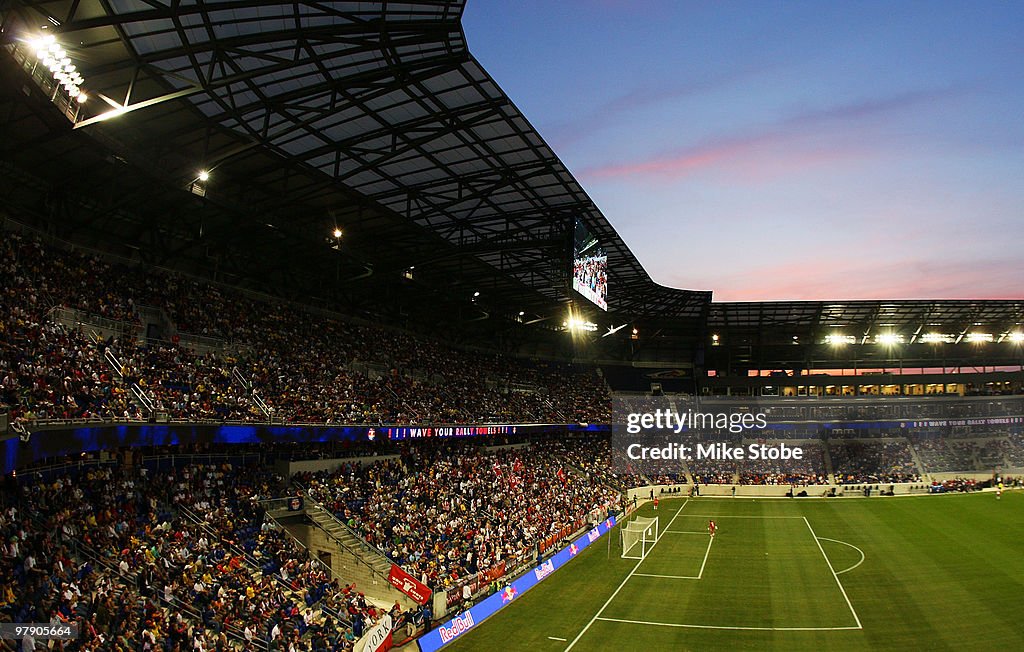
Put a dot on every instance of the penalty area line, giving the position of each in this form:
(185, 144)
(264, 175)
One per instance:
(729, 627)
(834, 574)
(707, 552)
(631, 574)
(555, 638)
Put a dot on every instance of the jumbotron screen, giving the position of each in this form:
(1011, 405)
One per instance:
(589, 267)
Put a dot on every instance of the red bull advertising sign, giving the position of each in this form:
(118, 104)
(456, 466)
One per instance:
(456, 627)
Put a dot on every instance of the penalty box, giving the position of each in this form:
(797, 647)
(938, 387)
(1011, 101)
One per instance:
(758, 573)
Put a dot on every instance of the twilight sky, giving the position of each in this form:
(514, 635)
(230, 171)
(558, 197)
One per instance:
(784, 150)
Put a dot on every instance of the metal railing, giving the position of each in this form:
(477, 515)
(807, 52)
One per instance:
(366, 545)
(143, 400)
(250, 387)
(75, 318)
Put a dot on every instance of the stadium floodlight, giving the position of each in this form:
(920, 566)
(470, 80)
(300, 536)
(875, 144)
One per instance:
(638, 537)
(840, 340)
(57, 60)
(938, 338)
(204, 175)
(889, 339)
(82, 98)
(1016, 337)
(522, 312)
(576, 324)
(476, 294)
(979, 338)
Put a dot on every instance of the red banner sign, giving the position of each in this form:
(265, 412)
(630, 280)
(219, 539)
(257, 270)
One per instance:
(493, 573)
(408, 585)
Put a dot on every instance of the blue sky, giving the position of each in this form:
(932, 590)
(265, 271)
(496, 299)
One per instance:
(784, 150)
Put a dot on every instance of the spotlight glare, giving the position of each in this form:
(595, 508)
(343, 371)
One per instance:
(1017, 337)
(204, 175)
(840, 340)
(888, 339)
(336, 233)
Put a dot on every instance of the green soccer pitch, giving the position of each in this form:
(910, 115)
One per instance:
(917, 573)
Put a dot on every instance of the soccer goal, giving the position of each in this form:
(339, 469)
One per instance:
(638, 536)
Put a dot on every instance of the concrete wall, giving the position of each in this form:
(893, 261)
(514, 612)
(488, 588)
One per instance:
(288, 469)
(978, 476)
(770, 491)
(346, 568)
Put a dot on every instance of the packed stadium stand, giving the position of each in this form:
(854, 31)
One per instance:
(306, 368)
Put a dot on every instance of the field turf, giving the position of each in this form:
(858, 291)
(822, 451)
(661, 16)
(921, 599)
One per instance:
(919, 573)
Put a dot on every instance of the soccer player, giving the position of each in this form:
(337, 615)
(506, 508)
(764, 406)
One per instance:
(999, 491)
(655, 503)
(711, 528)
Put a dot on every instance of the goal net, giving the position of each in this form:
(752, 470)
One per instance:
(638, 536)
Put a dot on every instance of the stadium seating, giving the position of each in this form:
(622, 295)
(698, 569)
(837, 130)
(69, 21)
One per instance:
(130, 552)
(447, 510)
(306, 367)
(860, 461)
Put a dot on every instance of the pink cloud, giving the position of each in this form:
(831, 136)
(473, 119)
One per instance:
(743, 150)
(821, 278)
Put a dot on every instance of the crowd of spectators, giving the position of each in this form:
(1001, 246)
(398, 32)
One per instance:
(446, 510)
(1015, 451)
(959, 485)
(713, 471)
(872, 461)
(942, 454)
(306, 366)
(181, 559)
(591, 455)
(809, 470)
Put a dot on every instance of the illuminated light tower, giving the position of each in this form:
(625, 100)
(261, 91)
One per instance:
(336, 234)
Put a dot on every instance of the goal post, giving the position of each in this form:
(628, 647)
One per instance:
(638, 536)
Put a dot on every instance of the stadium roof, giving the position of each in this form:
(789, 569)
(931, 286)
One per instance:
(373, 112)
(862, 319)
(373, 117)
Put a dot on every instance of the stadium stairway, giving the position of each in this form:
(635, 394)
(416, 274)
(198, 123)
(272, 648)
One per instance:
(922, 470)
(352, 558)
(826, 457)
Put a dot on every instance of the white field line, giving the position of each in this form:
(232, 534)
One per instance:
(714, 516)
(705, 562)
(668, 577)
(862, 556)
(631, 573)
(838, 583)
(757, 629)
